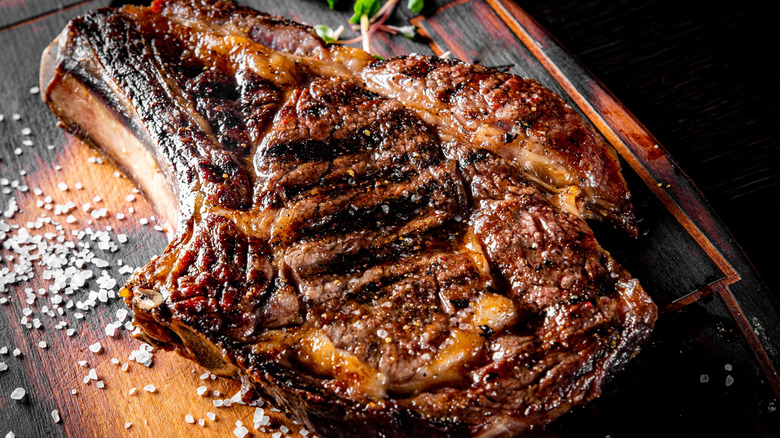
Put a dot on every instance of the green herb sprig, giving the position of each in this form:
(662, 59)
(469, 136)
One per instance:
(368, 17)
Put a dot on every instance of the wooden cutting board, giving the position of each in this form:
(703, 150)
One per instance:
(710, 368)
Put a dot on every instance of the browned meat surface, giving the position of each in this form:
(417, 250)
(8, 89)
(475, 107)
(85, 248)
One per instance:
(384, 248)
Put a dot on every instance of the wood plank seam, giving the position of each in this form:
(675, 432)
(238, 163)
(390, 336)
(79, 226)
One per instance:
(42, 16)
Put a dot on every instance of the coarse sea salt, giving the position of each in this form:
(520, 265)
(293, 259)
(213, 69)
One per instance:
(18, 394)
(96, 347)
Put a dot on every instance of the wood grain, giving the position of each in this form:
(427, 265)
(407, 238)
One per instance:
(718, 320)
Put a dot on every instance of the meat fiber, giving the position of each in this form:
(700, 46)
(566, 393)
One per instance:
(382, 247)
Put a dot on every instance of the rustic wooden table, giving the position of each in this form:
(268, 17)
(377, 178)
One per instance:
(692, 73)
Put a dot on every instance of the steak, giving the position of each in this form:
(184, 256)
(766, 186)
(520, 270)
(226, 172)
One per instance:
(381, 247)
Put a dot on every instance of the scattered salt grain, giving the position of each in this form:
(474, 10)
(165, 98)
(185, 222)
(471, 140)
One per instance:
(729, 380)
(704, 378)
(17, 352)
(3, 366)
(217, 403)
(201, 422)
(42, 344)
(259, 412)
(240, 432)
(304, 432)
(55, 415)
(150, 388)
(127, 425)
(728, 367)
(18, 394)
(62, 186)
(211, 416)
(26, 131)
(96, 347)
(132, 391)
(201, 390)
(35, 90)
(100, 384)
(189, 419)
(10, 435)
(110, 330)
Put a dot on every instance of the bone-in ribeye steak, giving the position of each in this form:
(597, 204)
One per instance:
(382, 247)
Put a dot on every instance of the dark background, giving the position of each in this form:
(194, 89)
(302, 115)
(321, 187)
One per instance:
(699, 76)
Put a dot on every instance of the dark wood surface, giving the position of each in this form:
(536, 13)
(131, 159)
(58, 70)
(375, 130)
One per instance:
(691, 74)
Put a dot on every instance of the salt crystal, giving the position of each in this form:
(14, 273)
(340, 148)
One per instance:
(304, 432)
(729, 380)
(189, 419)
(217, 403)
(240, 432)
(132, 391)
(201, 423)
(92, 374)
(201, 390)
(110, 330)
(17, 352)
(150, 388)
(258, 415)
(728, 367)
(100, 384)
(55, 415)
(96, 347)
(35, 90)
(62, 186)
(18, 394)
(26, 131)
(42, 344)
(3, 366)
(127, 425)
(211, 416)
(10, 435)
(704, 378)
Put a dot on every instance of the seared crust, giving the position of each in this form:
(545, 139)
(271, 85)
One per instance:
(378, 264)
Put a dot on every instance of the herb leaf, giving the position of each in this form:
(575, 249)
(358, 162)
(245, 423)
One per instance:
(408, 31)
(327, 34)
(332, 4)
(368, 8)
(416, 6)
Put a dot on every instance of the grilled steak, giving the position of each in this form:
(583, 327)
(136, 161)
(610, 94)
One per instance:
(381, 247)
